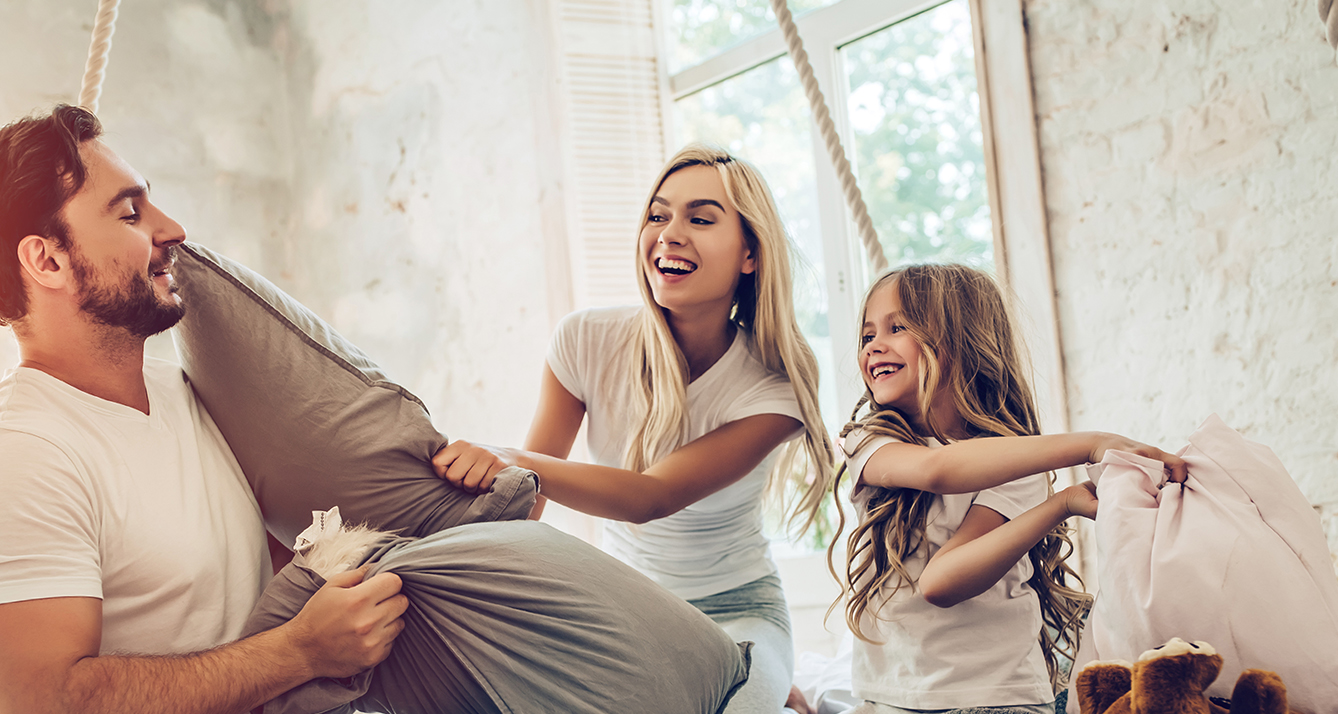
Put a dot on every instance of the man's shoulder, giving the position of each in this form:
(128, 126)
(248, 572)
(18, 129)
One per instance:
(27, 400)
(36, 403)
(32, 420)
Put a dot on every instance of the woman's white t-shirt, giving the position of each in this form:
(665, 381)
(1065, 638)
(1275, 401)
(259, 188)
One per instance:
(715, 544)
(980, 652)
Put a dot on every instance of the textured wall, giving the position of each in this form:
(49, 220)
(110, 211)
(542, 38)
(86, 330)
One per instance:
(417, 183)
(380, 161)
(189, 100)
(1189, 156)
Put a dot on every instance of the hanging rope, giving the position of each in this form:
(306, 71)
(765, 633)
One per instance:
(96, 69)
(829, 136)
(1328, 12)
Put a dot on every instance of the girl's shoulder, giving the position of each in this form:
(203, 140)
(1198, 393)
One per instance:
(859, 445)
(862, 441)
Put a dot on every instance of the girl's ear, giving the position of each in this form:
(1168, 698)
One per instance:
(749, 263)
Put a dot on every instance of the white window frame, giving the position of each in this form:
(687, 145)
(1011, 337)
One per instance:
(1012, 158)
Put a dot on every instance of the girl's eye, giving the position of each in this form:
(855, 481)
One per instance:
(655, 218)
(897, 328)
(702, 221)
(865, 339)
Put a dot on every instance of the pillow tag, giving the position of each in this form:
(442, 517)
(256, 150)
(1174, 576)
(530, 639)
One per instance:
(323, 523)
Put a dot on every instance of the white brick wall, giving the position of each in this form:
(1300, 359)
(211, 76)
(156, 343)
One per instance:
(1189, 153)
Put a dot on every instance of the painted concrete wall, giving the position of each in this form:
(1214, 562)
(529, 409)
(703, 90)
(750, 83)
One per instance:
(1189, 154)
(418, 180)
(187, 100)
(383, 163)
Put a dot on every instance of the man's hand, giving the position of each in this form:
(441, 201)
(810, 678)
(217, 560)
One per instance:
(472, 467)
(1174, 465)
(349, 625)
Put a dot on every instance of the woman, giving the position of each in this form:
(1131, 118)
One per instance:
(699, 400)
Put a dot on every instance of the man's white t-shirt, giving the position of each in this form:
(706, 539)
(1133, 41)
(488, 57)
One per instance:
(980, 652)
(150, 513)
(715, 544)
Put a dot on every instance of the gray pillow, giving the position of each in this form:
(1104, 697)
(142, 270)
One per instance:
(519, 617)
(312, 421)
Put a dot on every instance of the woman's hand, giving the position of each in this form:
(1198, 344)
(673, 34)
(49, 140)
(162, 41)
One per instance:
(1175, 466)
(472, 467)
(1080, 500)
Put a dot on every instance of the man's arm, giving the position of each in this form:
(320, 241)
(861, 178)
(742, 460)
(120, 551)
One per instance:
(49, 663)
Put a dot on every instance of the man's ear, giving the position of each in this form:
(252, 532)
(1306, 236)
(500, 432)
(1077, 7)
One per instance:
(44, 263)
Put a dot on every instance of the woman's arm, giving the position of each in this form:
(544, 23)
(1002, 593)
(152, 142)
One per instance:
(685, 476)
(977, 464)
(556, 422)
(987, 545)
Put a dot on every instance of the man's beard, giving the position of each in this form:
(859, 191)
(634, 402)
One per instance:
(132, 305)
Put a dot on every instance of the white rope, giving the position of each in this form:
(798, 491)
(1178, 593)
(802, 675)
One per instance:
(1328, 12)
(96, 69)
(827, 128)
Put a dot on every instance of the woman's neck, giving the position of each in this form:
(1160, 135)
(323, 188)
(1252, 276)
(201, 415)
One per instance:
(704, 339)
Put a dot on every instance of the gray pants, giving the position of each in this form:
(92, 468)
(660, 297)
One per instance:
(757, 612)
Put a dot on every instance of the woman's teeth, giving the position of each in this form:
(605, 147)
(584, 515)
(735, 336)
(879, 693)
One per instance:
(674, 267)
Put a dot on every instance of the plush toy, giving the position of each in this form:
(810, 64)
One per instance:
(1171, 680)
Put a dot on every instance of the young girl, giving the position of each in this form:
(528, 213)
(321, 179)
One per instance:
(698, 400)
(956, 585)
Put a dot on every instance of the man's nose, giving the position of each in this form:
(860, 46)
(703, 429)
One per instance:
(166, 231)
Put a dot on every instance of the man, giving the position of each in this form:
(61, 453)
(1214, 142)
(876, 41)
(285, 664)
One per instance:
(131, 548)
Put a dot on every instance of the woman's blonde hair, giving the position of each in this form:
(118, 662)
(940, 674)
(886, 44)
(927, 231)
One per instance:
(958, 316)
(763, 307)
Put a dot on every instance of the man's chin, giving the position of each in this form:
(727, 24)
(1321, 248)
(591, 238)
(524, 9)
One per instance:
(163, 320)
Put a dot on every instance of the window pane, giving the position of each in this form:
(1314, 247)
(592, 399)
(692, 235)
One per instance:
(702, 28)
(762, 116)
(915, 115)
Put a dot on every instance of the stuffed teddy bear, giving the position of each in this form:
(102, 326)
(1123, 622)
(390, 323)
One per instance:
(1171, 680)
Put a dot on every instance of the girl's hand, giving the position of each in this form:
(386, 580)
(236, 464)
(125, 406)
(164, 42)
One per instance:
(1080, 500)
(1175, 466)
(472, 467)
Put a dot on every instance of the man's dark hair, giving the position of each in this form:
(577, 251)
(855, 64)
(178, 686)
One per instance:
(40, 170)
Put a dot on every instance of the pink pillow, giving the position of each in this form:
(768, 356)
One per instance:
(1234, 557)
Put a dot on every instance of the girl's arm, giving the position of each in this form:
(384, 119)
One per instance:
(981, 463)
(987, 545)
(556, 422)
(685, 476)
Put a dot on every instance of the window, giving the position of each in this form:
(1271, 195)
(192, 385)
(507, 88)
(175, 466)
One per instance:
(901, 82)
(909, 88)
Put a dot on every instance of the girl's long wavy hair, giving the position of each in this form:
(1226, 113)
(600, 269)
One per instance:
(763, 307)
(968, 347)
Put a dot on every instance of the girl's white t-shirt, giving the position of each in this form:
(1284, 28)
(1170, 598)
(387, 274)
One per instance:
(715, 544)
(981, 652)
